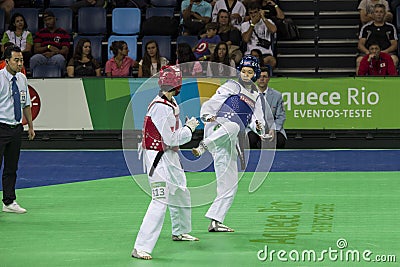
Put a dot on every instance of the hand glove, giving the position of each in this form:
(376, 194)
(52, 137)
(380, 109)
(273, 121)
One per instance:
(208, 118)
(192, 123)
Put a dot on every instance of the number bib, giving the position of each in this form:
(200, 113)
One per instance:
(158, 190)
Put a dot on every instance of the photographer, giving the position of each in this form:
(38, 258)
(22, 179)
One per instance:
(258, 32)
(272, 10)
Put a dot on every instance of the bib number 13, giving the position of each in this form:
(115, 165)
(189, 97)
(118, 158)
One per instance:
(158, 190)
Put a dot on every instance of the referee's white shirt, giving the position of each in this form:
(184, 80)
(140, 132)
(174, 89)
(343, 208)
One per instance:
(7, 101)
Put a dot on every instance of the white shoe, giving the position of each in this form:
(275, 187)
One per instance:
(198, 151)
(13, 207)
(184, 237)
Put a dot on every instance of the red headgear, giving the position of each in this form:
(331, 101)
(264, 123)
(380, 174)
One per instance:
(170, 79)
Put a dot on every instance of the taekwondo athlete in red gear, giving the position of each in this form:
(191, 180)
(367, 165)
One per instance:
(234, 107)
(162, 135)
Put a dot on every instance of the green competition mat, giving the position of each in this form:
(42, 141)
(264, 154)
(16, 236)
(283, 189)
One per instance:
(294, 219)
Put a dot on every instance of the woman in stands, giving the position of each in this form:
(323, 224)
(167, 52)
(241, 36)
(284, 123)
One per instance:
(221, 55)
(120, 65)
(187, 60)
(236, 9)
(152, 61)
(19, 35)
(229, 34)
(82, 64)
(257, 53)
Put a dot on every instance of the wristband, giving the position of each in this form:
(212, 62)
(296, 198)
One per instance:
(276, 6)
(252, 25)
(205, 57)
(48, 47)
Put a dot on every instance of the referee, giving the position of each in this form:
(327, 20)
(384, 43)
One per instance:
(14, 101)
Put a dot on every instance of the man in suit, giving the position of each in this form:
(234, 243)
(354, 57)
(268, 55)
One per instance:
(274, 127)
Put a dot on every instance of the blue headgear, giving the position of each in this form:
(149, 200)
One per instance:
(252, 62)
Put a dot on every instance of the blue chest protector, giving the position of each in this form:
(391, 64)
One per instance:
(238, 108)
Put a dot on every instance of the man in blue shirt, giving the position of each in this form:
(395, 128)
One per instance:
(14, 101)
(196, 14)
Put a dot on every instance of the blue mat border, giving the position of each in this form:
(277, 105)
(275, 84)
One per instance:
(49, 167)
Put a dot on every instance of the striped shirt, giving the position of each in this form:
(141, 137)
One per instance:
(58, 38)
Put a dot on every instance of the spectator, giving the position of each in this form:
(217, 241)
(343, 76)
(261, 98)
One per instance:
(82, 64)
(212, 2)
(366, 8)
(377, 63)
(226, 66)
(3, 63)
(207, 44)
(7, 6)
(187, 61)
(272, 10)
(120, 65)
(246, 4)
(235, 8)
(196, 14)
(380, 32)
(257, 53)
(87, 3)
(230, 35)
(152, 61)
(274, 114)
(257, 33)
(51, 44)
(18, 34)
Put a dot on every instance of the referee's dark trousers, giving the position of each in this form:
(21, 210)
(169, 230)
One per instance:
(10, 145)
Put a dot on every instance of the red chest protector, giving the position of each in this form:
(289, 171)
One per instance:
(152, 138)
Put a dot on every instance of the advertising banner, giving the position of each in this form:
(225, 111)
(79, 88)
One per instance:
(310, 103)
(340, 103)
(59, 104)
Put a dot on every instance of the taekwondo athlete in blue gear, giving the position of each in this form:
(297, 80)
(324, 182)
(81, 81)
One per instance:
(234, 107)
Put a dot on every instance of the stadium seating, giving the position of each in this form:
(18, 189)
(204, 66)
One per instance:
(164, 3)
(2, 21)
(159, 11)
(96, 43)
(189, 39)
(126, 21)
(31, 16)
(397, 24)
(46, 71)
(164, 44)
(92, 21)
(131, 40)
(64, 18)
(398, 46)
(61, 3)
